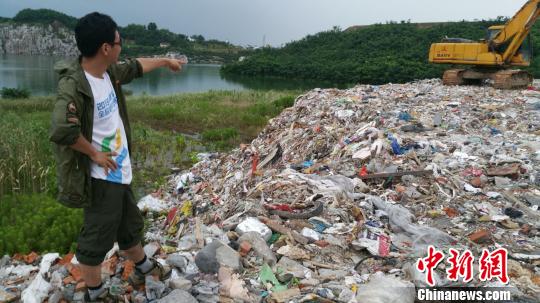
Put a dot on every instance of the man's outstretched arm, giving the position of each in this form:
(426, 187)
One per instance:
(149, 64)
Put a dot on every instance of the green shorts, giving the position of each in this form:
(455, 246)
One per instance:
(112, 217)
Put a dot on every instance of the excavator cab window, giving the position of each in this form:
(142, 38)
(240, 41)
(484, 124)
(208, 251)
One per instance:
(492, 33)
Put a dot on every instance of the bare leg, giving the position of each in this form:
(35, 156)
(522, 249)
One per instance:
(135, 253)
(91, 274)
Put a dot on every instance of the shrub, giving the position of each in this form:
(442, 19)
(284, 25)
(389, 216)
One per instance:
(14, 93)
(284, 102)
(37, 222)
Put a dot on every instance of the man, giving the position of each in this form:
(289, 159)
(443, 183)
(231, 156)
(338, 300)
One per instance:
(92, 136)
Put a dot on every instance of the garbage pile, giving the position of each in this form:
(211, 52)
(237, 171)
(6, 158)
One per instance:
(335, 201)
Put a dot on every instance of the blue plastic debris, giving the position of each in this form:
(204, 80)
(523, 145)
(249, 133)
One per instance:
(374, 223)
(395, 147)
(405, 116)
(307, 164)
(318, 225)
(494, 131)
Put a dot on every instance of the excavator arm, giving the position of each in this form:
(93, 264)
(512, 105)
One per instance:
(516, 30)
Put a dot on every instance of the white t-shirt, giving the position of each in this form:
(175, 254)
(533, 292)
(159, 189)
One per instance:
(108, 133)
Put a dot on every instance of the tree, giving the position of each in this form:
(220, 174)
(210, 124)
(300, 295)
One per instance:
(151, 26)
(44, 16)
(198, 38)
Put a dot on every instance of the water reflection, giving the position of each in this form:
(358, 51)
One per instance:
(193, 78)
(36, 74)
(266, 83)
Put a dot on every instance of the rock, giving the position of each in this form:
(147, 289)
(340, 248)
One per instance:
(346, 295)
(532, 199)
(294, 252)
(217, 254)
(332, 274)
(150, 249)
(178, 261)
(502, 182)
(310, 282)
(4, 261)
(293, 267)
(253, 224)
(178, 295)
(227, 256)
(285, 295)
(259, 246)
(78, 296)
(206, 259)
(187, 242)
(37, 40)
(154, 288)
(207, 291)
(180, 283)
(54, 298)
(511, 170)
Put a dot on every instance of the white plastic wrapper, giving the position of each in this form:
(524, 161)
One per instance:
(311, 234)
(152, 204)
(39, 288)
(253, 224)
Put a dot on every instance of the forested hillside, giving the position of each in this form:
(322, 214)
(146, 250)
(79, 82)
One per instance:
(381, 53)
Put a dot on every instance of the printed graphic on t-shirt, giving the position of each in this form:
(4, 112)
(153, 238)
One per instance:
(121, 151)
(107, 106)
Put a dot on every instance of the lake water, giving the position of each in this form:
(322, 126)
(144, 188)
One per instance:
(36, 74)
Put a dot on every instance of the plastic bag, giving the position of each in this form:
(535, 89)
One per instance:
(422, 236)
(386, 289)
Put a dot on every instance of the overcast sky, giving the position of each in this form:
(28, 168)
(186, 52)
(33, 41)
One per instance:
(279, 21)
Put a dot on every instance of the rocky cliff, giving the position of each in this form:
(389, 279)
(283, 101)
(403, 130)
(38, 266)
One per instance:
(52, 39)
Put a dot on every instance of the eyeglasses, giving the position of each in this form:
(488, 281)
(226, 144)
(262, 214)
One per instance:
(118, 43)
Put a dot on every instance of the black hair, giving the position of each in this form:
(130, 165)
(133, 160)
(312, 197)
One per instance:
(92, 31)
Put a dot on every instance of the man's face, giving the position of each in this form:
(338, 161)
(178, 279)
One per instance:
(111, 51)
(116, 48)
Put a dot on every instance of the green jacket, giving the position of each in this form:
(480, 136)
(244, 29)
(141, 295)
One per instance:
(74, 115)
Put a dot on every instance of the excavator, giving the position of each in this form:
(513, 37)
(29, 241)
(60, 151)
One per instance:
(493, 58)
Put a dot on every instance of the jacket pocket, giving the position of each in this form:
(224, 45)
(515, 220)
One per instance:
(72, 182)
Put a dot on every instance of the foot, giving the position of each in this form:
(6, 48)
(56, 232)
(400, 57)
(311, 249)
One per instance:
(137, 278)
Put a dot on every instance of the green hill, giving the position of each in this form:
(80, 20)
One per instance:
(380, 53)
(145, 39)
(44, 16)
